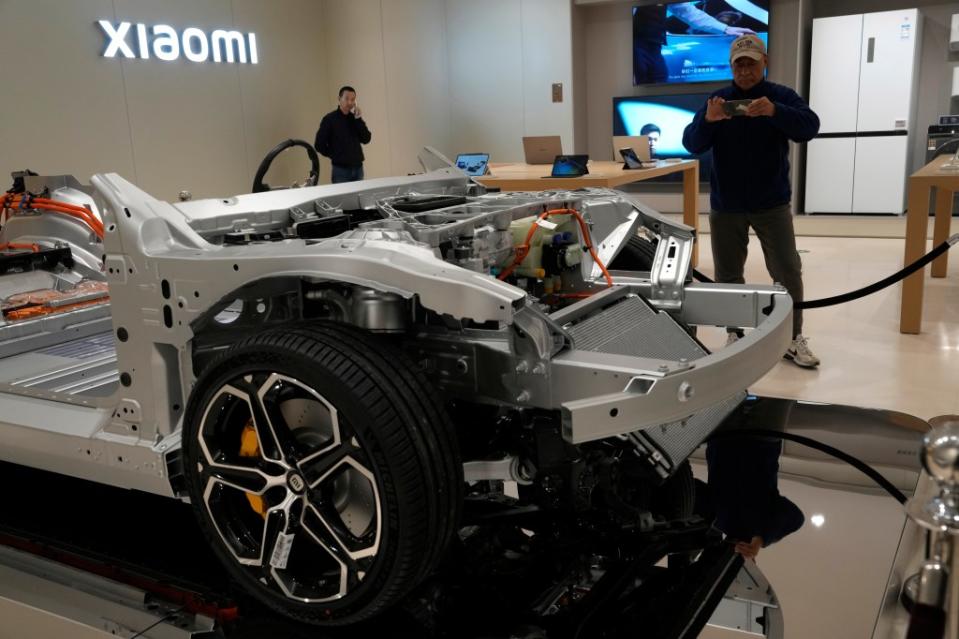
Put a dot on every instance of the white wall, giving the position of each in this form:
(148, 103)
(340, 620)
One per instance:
(457, 75)
(281, 97)
(417, 79)
(394, 55)
(165, 125)
(579, 93)
(504, 56)
(68, 113)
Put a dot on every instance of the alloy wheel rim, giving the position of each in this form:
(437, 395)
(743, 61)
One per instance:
(320, 529)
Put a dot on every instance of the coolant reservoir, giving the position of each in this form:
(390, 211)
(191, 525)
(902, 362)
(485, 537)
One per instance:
(560, 227)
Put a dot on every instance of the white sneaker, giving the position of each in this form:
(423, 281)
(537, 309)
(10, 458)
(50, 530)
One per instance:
(731, 338)
(800, 354)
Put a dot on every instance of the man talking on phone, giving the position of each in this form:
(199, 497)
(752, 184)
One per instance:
(748, 125)
(340, 135)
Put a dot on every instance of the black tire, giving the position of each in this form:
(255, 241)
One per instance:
(636, 255)
(356, 459)
(675, 499)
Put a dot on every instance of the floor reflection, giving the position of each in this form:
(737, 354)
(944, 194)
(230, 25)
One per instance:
(854, 538)
(742, 493)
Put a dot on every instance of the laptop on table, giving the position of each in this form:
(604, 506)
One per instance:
(542, 149)
(473, 164)
(630, 160)
(569, 166)
(638, 143)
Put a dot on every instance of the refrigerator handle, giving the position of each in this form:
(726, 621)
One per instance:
(871, 50)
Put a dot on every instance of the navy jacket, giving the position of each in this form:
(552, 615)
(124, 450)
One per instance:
(750, 155)
(339, 138)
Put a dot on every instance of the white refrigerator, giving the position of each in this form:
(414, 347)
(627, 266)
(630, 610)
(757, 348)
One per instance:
(863, 85)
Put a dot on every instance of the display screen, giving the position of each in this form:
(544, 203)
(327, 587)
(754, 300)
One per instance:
(662, 118)
(689, 41)
(473, 164)
(629, 157)
(570, 165)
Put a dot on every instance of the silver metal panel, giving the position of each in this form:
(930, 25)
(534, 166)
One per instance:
(102, 457)
(68, 379)
(76, 367)
(671, 265)
(731, 305)
(676, 394)
(91, 602)
(703, 304)
(29, 335)
(83, 348)
(750, 606)
(71, 440)
(26, 365)
(677, 440)
(52, 417)
(632, 327)
(352, 195)
(597, 301)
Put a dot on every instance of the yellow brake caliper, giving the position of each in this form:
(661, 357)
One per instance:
(250, 447)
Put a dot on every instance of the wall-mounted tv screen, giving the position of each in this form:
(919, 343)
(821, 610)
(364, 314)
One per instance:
(689, 41)
(662, 118)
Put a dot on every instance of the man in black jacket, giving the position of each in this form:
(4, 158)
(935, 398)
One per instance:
(340, 135)
(749, 185)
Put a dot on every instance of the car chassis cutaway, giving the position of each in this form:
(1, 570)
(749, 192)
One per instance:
(322, 367)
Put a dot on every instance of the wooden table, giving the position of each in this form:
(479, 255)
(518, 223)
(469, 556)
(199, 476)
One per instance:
(921, 185)
(603, 174)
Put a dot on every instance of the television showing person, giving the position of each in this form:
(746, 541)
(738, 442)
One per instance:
(652, 132)
(651, 26)
(662, 120)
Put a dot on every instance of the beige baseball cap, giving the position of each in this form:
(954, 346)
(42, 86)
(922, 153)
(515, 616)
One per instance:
(749, 45)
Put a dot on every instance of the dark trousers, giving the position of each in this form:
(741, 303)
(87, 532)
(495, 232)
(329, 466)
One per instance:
(729, 236)
(346, 174)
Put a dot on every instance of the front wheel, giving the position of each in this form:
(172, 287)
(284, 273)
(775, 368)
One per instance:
(323, 471)
(637, 254)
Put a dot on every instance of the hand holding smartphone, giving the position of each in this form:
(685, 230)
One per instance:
(733, 108)
(715, 110)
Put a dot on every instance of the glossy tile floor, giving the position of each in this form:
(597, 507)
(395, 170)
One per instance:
(830, 578)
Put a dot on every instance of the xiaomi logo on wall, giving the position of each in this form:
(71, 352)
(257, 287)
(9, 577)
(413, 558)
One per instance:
(161, 41)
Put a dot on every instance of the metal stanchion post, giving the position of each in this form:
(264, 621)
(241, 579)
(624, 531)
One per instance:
(937, 601)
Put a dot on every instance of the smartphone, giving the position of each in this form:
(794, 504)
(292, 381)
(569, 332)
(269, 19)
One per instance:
(733, 108)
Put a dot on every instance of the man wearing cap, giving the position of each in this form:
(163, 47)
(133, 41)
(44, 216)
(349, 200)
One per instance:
(749, 184)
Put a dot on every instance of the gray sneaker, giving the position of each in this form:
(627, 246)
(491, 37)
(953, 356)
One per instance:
(800, 353)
